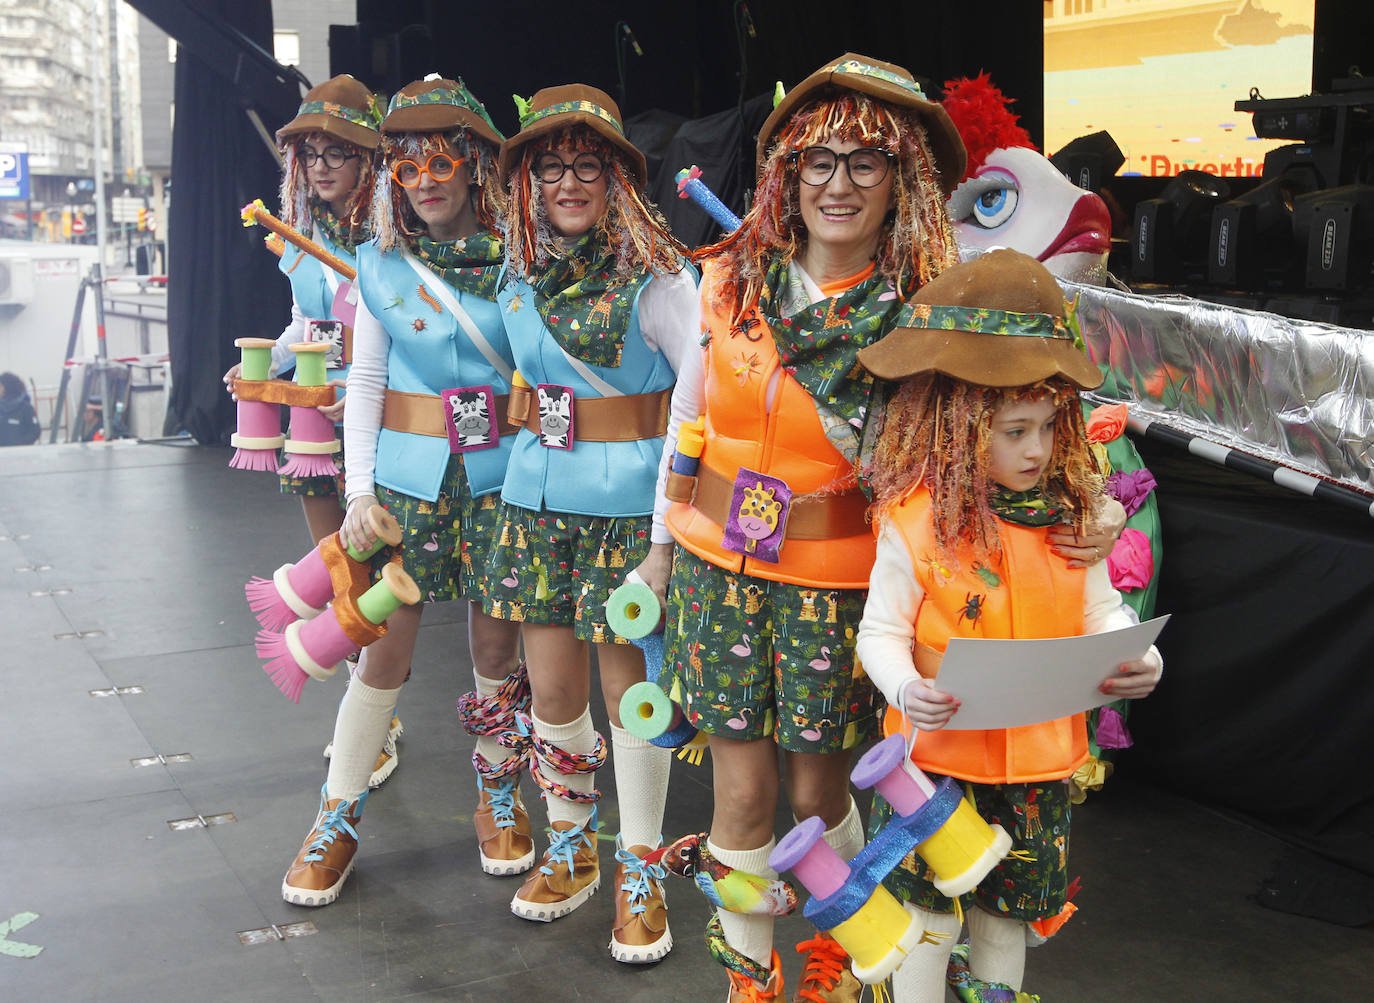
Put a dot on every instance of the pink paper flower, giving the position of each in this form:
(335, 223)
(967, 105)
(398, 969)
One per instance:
(1130, 487)
(1111, 730)
(1130, 564)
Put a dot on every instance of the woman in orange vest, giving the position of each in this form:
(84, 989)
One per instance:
(979, 453)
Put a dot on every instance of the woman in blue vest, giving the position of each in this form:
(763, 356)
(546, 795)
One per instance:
(327, 154)
(594, 302)
(431, 369)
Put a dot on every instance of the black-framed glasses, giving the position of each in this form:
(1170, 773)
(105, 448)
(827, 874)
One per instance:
(440, 167)
(334, 156)
(586, 167)
(867, 166)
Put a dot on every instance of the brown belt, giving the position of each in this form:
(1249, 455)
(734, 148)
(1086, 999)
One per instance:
(603, 419)
(824, 517)
(423, 414)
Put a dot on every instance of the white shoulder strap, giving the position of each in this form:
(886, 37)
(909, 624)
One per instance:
(331, 280)
(444, 295)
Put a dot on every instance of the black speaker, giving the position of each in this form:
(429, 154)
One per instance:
(1152, 242)
(1232, 260)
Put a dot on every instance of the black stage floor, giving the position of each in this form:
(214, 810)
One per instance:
(122, 566)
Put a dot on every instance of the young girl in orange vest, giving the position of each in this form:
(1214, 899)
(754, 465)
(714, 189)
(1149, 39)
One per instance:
(982, 449)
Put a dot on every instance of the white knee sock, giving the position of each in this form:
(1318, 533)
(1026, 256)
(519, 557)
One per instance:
(996, 948)
(359, 731)
(579, 737)
(752, 936)
(641, 786)
(921, 979)
(847, 838)
(487, 746)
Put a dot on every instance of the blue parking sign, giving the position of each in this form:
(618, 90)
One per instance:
(14, 175)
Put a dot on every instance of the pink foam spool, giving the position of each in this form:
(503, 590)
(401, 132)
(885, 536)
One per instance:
(889, 770)
(805, 853)
(258, 436)
(309, 580)
(325, 641)
(311, 447)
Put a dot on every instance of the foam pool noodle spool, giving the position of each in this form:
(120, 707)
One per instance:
(313, 648)
(690, 185)
(258, 434)
(312, 445)
(302, 590)
(877, 930)
(645, 710)
(937, 820)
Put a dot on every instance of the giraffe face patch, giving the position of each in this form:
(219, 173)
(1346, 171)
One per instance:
(758, 515)
(555, 415)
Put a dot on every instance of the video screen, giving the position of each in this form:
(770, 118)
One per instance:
(1163, 77)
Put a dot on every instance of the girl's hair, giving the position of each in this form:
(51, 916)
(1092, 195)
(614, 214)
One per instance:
(916, 242)
(298, 195)
(12, 385)
(393, 219)
(631, 225)
(936, 431)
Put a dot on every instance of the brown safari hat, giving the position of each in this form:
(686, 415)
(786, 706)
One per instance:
(556, 108)
(436, 104)
(888, 82)
(341, 107)
(999, 320)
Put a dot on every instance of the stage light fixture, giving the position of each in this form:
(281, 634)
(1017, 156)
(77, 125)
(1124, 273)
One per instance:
(1169, 238)
(1252, 243)
(1090, 160)
(1337, 225)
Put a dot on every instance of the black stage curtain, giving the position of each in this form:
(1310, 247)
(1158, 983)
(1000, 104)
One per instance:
(1265, 709)
(223, 284)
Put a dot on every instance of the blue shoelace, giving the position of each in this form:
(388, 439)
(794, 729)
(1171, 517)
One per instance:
(563, 843)
(501, 798)
(639, 878)
(331, 822)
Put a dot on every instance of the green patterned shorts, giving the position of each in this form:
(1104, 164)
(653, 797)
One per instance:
(1036, 816)
(748, 658)
(559, 568)
(444, 543)
(317, 487)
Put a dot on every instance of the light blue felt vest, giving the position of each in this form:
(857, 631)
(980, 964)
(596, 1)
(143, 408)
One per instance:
(310, 284)
(593, 478)
(438, 356)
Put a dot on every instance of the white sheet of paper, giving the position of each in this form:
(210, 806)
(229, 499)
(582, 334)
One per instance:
(1007, 684)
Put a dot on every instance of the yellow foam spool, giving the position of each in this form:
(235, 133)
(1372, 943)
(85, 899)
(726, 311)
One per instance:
(869, 937)
(963, 850)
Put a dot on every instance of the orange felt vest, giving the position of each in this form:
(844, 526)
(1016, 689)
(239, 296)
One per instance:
(1029, 593)
(785, 441)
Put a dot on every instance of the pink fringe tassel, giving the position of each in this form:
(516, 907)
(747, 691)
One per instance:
(254, 459)
(281, 666)
(267, 604)
(309, 465)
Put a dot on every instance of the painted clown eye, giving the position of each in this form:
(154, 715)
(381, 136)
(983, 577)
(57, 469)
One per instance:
(986, 202)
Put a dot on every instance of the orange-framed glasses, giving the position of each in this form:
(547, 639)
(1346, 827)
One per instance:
(440, 167)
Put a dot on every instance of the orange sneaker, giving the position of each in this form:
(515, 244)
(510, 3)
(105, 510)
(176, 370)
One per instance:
(826, 977)
(743, 989)
(640, 935)
(326, 857)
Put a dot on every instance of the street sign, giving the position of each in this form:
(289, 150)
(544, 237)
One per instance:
(78, 225)
(14, 175)
(124, 208)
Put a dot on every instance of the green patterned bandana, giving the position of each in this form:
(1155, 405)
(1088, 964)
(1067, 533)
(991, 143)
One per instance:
(586, 316)
(338, 232)
(468, 264)
(819, 344)
(1024, 508)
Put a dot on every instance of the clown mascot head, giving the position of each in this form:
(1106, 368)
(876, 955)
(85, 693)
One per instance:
(1011, 196)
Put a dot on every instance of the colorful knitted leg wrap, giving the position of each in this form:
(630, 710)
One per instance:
(495, 714)
(724, 886)
(727, 956)
(530, 748)
(973, 990)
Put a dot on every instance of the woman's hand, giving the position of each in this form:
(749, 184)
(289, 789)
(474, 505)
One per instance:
(1134, 679)
(234, 372)
(655, 568)
(926, 707)
(334, 412)
(1098, 537)
(356, 532)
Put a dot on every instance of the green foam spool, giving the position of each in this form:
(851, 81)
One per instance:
(255, 357)
(310, 369)
(646, 711)
(632, 610)
(394, 590)
(384, 527)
